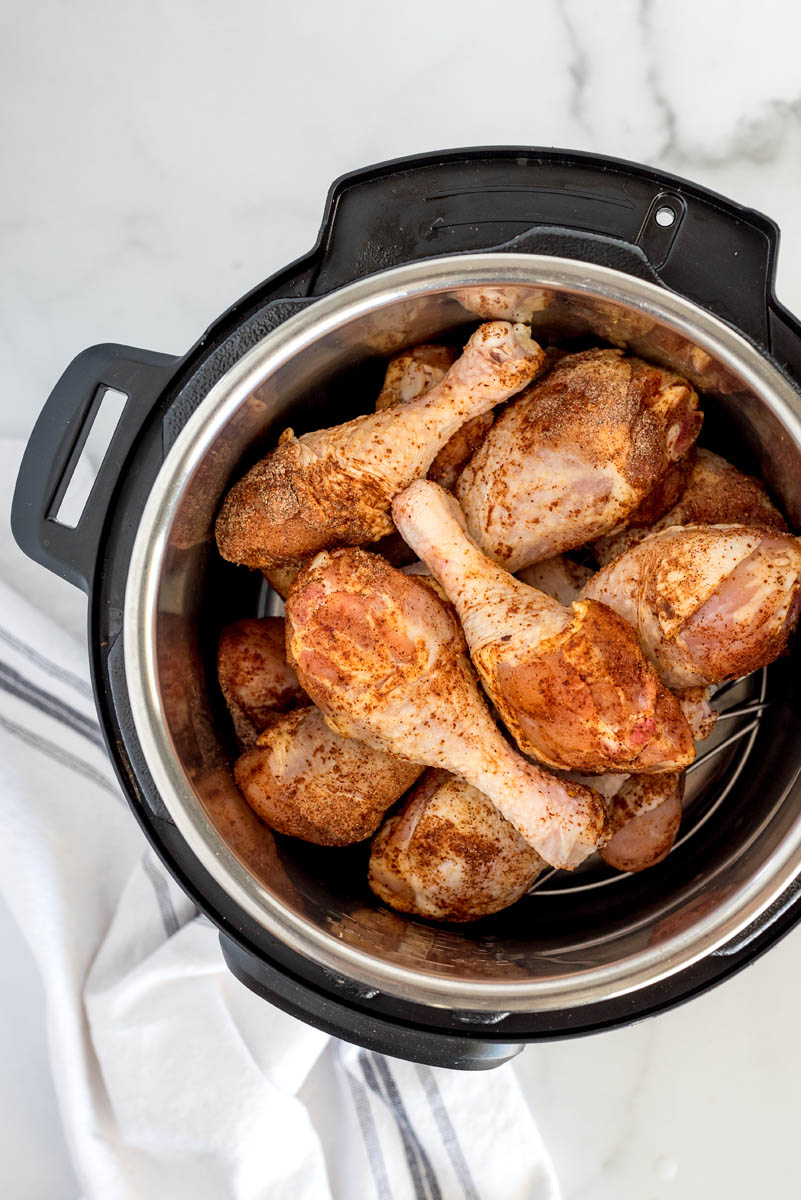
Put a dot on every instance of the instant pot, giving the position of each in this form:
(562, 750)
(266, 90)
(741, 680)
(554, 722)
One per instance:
(593, 248)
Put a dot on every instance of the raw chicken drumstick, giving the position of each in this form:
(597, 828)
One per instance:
(385, 660)
(413, 372)
(448, 854)
(255, 679)
(575, 455)
(307, 781)
(564, 580)
(335, 485)
(709, 602)
(571, 684)
(716, 494)
(509, 303)
(644, 818)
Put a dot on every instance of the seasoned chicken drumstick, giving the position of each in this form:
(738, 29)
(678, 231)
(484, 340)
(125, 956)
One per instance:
(448, 854)
(383, 657)
(564, 580)
(716, 494)
(307, 781)
(575, 455)
(255, 679)
(413, 372)
(643, 818)
(335, 485)
(708, 603)
(571, 684)
(509, 303)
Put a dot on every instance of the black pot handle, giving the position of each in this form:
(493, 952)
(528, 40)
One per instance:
(434, 1047)
(55, 445)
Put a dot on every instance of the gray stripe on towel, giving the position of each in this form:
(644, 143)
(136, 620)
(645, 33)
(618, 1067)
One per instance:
(372, 1142)
(169, 917)
(39, 660)
(447, 1132)
(17, 685)
(61, 756)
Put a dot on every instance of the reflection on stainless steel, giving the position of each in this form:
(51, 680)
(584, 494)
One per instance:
(290, 378)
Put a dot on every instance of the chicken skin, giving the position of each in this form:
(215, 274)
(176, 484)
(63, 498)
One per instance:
(448, 854)
(571, 684)
(644, 818)
(716, 494)
(255, 679)
(507, 303)
(564, 580)
(413, 372)
(667, 491)
(306, 781)
(575, 455)
(559, 577)
(385, 660)
(709, 603)
(335, 486)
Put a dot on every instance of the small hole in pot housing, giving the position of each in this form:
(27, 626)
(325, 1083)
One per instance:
(664, 216)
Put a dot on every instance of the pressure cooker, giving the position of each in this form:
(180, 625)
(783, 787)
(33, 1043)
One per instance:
(615, 252)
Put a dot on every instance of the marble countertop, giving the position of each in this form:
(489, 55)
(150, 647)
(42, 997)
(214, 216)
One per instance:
(160, 160)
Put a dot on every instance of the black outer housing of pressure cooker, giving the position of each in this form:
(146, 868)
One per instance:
(580, 206)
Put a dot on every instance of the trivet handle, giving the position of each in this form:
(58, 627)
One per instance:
(55, 446)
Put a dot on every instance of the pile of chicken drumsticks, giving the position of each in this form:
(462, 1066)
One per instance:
(537, 710)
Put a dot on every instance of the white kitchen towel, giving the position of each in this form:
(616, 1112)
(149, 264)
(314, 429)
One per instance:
(173, 1079)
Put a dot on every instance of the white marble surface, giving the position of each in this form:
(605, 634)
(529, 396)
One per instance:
(160, 159)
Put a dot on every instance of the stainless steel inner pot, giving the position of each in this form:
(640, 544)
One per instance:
(310, 373)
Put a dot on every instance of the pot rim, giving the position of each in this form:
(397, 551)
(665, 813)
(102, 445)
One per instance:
(651, 965)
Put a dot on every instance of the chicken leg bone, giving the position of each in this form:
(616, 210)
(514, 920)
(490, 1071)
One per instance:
(413, 372)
